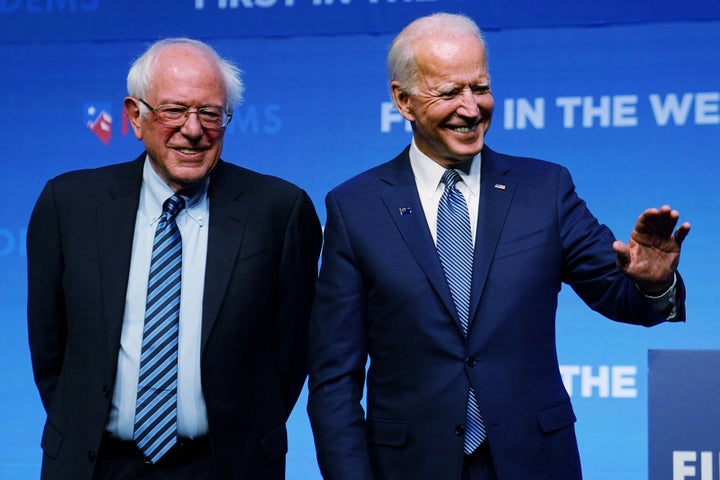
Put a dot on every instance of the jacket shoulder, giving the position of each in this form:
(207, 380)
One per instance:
(394, 171)
(229, 179)
(98, 174)
(519, 166)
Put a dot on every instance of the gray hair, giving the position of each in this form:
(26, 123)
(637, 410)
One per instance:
(401, 65)
(143, 68)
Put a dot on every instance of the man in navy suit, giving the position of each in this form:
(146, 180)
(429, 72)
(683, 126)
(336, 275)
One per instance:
(250, 245)
(383, 293)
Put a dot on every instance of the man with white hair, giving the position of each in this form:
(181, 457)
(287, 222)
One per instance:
(169, 296)
(442, 268)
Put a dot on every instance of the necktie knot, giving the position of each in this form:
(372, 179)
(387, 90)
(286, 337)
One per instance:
(173, 206)
(450, 178)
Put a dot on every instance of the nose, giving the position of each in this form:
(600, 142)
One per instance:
(468, 104)
(192, 127)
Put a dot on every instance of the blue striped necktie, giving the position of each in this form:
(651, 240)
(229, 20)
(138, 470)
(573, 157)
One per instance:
(454, 245)
(156, 407)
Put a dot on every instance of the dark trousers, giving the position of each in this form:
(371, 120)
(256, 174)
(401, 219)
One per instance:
(479, 465)
(188, 459)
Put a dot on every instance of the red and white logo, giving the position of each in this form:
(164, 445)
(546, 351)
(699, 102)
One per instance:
(99, 121)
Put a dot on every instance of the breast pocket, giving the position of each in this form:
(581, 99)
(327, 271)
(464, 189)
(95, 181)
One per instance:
(520, 244)
(250, 263)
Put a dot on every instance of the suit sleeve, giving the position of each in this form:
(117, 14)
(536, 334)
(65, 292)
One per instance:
(589, 265)
(298, 273)
(338, 355)
(47, 326)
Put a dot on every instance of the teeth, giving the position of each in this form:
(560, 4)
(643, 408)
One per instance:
(462, 129)
(188, 151)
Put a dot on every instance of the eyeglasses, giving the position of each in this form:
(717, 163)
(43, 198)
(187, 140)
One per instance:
(172, 115)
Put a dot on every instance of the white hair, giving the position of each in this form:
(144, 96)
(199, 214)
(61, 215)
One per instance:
(143, 68)
(401, 64)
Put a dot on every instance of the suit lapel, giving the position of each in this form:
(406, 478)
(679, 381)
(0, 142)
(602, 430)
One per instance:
(228, 216)
(116, 227)
(497, 190)
(118, 214)
(404, 207)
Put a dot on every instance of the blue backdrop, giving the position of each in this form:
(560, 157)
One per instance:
(624, 94)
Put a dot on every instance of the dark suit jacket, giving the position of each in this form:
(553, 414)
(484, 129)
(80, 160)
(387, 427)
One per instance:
(263, 245)
(382, 293)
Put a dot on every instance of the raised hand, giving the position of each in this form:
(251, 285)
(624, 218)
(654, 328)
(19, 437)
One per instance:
(651, 256)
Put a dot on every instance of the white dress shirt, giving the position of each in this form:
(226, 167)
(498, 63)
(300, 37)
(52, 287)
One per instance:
(193, 223)
(428, 176)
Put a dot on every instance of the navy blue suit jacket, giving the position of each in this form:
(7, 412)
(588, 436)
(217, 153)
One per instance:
(263, 244)
(382, 294)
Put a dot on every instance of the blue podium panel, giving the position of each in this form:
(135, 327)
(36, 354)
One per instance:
(684, 419)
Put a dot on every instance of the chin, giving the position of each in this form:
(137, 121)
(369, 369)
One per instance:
(467, 153)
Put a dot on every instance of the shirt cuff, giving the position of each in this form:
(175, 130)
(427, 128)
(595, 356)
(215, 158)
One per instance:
(665, 303)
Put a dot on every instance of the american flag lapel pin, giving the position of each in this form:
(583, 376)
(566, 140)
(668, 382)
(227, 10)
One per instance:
(405, 211)
(500, 186)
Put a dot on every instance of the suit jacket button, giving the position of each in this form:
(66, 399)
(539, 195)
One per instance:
(107, 391)
(470, 361)
(91, 455)
(460, 430)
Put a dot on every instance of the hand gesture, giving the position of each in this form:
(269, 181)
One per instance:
(653, 252)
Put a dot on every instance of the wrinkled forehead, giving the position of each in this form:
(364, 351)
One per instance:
(451, 60)
(186, 70)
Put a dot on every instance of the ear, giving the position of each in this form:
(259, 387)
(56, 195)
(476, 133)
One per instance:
(132, 109)
(402, 101)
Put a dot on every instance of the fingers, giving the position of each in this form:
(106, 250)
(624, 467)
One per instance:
(682, 232)
(660, 222)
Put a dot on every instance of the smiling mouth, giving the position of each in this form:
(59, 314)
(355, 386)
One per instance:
(189, 151)
(463, 129)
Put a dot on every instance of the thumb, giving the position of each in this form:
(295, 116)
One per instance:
(622, 253)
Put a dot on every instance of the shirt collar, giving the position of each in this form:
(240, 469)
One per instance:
(157, 191)
(428, 173)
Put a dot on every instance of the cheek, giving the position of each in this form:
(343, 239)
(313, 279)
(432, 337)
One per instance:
(157, 137)
(427, 110)
(488, 103)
